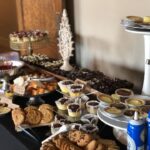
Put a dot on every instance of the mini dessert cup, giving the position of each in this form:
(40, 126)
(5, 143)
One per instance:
(90, 119)
(92, 106)
(82, 101)
(55, 126)
(59, 118)
(76, 126)
(74, 110)
(62, 103)
(89, 128)
(75, 90)
(64, 85)
(124, 93)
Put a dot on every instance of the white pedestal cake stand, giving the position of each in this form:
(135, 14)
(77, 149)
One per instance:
(146, 34)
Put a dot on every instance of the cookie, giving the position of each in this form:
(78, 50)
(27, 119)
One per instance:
(100, 147)
(84, 139)
(48, 146)
(74, 135)
(64, 144)
(18, 116)
(33, 115)
(113, 147)
(46, 106)
(91, 145)
(47, 116)
(29, 108)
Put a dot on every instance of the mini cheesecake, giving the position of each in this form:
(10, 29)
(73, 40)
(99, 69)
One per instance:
(92, 106)
(74, 110)
(64, 85)
(134, 102)
(62, 103)
(105, 99)
(75, 90)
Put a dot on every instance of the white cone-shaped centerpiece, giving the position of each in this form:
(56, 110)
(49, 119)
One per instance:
(65, 42)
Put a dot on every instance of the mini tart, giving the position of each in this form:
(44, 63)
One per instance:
(92, 106)
(62, 103)
(113, 111)
(146, 20)
(135, 102)
(105, 99)
(145, 109)
(136, 19)
(129, 113)
(64, 85)
(124, 92)
(9, 94)
(75, 90)
(120, 106)
(74, 110)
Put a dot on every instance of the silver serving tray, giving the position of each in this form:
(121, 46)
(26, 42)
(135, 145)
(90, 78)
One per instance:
(16, 65)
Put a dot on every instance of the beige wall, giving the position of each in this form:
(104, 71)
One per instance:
(8, 20)
(102, 42)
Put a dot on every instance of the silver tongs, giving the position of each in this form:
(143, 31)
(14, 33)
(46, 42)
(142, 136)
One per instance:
(42, 79)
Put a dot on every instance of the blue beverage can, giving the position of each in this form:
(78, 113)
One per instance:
(136, 132)
(148, 131)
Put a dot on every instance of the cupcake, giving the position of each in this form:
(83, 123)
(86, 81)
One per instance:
(55, 126)
(92, 106)
(75, 90)
(62, 103)
(74, 110)
(64, 85)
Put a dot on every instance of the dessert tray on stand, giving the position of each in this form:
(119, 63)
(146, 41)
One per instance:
(142, 29)
(29, 45)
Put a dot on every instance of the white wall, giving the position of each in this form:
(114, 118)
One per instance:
(102, 42)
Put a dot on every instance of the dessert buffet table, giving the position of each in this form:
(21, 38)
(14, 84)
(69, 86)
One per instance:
(31, 137)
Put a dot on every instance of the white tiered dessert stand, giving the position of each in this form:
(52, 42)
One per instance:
(120, 124)
(146, 34)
